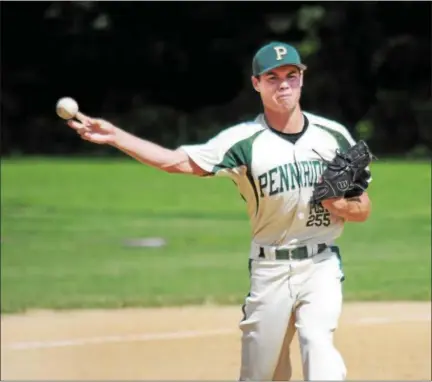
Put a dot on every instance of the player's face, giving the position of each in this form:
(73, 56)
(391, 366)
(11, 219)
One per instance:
(280, 88)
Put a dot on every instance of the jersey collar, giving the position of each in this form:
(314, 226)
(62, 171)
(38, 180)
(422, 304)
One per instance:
(291, 137)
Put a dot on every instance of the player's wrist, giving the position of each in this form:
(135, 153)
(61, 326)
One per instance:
(118, 137)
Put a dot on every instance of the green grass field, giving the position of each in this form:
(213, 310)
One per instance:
(64, 223)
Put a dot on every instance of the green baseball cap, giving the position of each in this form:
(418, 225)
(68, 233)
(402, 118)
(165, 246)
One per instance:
(274, 55)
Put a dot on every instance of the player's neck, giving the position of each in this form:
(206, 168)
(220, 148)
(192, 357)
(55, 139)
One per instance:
(285, 122)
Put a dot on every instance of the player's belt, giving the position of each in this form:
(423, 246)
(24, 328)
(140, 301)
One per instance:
(296, 253)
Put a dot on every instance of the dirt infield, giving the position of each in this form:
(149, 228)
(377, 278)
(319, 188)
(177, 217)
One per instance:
(378, 341)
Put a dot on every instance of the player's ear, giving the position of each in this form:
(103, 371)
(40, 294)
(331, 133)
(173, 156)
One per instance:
(301, 78)
(256, 83)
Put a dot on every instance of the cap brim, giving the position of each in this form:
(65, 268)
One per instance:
(300, 66)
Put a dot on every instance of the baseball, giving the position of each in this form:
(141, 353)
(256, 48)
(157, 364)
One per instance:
(66, 108)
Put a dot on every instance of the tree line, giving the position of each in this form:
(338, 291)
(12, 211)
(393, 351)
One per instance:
(177, 72)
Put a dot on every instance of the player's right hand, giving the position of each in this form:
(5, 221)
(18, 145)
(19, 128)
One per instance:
(94, 130)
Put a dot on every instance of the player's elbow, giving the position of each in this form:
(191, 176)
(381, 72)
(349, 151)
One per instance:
(178, 169)
(173, 162)
(180, 163)
(171, 169)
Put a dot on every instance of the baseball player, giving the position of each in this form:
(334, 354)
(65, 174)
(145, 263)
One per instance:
(275, 160)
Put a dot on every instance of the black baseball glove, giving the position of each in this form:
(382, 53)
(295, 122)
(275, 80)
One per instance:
(346, 175)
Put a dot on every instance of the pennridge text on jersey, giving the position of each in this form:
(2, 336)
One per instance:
(290, 176)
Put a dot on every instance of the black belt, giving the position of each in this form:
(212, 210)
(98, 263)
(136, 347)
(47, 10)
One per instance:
(299, 253)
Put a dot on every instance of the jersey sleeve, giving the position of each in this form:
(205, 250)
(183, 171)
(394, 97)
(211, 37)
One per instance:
(226, 154)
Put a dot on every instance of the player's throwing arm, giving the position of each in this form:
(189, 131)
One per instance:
(100, 131)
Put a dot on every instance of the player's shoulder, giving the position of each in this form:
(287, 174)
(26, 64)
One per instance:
(240, 131)
(335, 129)
(326, 123)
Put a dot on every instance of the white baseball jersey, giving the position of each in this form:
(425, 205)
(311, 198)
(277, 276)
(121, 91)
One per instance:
(276, 177)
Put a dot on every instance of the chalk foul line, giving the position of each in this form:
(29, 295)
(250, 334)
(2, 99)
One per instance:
(144, 337)
(24, 345)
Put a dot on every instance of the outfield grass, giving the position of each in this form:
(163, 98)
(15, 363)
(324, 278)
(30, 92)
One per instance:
(64, 223)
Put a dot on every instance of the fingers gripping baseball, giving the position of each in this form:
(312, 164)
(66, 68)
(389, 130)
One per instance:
(90, 129)
(93, 130)
(83, 125)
